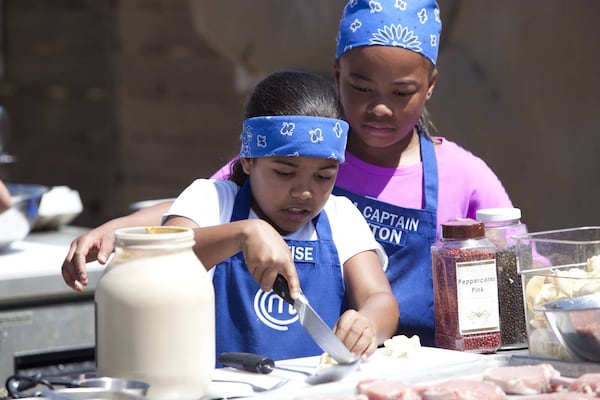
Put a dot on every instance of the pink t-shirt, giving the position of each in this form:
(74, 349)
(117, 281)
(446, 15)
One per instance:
(466, 183)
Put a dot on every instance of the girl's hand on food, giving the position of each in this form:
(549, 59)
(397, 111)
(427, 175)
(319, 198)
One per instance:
(267, 254)
(95, 245)
(357, 332)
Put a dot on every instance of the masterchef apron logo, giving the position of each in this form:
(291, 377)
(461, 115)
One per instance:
(273, 311)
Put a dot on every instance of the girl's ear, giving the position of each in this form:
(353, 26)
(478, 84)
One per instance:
(246, 165)
(336, 74)
(432, 81)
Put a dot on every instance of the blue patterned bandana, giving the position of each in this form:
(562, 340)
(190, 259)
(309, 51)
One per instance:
(411, 24)
(298, 136)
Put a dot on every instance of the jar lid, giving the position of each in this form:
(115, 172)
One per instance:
(140, 236)
(498, 214)
(463, 228)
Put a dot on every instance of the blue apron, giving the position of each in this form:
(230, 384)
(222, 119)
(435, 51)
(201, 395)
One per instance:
(250, 320)
(407, 235)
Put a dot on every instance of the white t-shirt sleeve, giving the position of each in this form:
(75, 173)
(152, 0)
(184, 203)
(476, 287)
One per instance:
(350, 230)
(207, 202)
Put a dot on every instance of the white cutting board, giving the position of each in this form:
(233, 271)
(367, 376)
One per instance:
(427, 361)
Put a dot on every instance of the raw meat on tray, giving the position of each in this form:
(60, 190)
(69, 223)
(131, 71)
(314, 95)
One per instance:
(387, 389)
(524, 379)
(332, 397)
(586, 383)
(463, 389)
(520, 382)
(452, 389)
(555, 396)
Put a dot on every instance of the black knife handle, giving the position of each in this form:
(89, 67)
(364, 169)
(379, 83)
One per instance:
(280, 286)
(247, 362)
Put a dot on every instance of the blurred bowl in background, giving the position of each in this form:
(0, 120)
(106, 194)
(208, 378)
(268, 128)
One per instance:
(17, 221)
(59, 206)
(576, 324)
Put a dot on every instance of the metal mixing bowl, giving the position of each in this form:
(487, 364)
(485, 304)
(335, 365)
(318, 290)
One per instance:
(576, 324)
(17, 221)
(94, 388)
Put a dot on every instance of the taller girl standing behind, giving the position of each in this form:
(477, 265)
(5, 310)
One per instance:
(404, 181)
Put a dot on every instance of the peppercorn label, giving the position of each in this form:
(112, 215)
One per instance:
(477, 296)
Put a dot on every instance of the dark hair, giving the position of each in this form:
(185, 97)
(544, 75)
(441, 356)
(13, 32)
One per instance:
(425, 125)
(293, 93)
(290, 93)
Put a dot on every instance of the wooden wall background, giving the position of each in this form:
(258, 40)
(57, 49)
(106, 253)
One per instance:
(128, 100)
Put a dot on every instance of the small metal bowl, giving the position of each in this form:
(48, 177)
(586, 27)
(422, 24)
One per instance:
(116, 385)
(91, 388)
(576, 324)
(93, 393)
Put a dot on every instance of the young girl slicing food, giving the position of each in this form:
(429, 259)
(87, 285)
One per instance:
(279, 199)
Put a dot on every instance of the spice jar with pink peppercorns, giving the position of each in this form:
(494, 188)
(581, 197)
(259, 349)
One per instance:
(465, 288)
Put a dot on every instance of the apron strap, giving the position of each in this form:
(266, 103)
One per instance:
(430, 174)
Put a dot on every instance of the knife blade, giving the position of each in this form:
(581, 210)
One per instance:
(314, 324)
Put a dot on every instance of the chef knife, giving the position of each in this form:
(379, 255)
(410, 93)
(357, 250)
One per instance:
(263, 365)
(314, 324)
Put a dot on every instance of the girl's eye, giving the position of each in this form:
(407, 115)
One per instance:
(403, 94)
(325, 177)
(359, 88)
(283, 173)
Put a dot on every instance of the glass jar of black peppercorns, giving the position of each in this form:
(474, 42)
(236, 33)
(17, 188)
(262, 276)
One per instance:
(501, 224)
(465, 288)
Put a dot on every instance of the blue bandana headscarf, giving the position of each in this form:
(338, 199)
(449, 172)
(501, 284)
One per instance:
(300, 136)
(411, 24)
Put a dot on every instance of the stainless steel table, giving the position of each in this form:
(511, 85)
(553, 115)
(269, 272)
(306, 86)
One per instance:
(45, 326)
